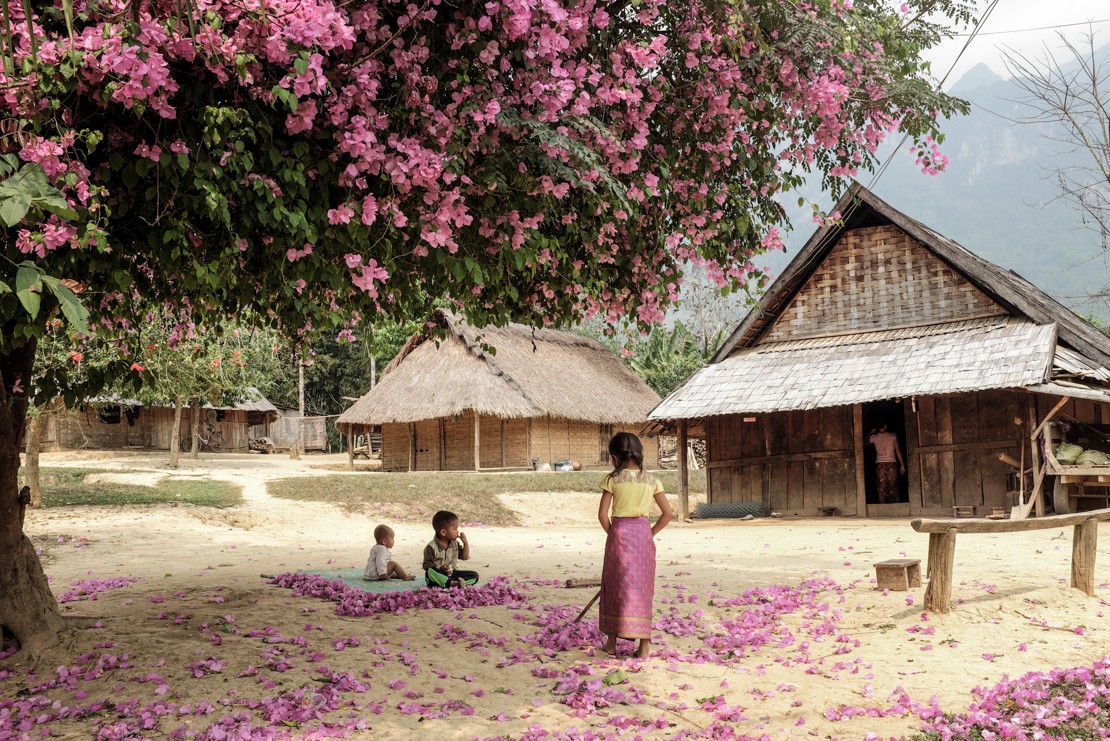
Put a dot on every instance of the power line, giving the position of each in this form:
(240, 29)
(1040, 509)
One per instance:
(970, 37)
(1037, 28)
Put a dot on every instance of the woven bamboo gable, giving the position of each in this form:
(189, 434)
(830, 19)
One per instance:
(879, 278)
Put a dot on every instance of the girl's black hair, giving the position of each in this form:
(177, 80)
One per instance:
(626, 447)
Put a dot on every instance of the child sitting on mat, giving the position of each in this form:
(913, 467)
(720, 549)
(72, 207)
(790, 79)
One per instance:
(442, 554)
(381, 565)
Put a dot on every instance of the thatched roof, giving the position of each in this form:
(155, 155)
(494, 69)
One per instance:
(525, 372)
(1040, 345)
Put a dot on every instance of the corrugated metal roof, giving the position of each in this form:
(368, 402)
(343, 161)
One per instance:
(851, 369)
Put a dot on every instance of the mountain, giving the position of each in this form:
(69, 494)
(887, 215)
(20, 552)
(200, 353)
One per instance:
(997, 197)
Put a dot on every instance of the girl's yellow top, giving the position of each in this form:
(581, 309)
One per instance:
(633, 492)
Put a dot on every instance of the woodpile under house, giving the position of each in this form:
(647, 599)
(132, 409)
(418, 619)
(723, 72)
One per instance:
(880, 319)
(500, 398)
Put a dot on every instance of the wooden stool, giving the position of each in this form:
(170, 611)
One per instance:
(963, 511)
(898, 574)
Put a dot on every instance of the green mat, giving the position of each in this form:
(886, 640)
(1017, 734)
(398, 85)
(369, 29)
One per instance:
(353, 578)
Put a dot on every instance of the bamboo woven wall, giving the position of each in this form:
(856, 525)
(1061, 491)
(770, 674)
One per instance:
(83, 429)
(448, 444)
(878, 278)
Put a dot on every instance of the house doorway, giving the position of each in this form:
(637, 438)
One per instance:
(893, 415)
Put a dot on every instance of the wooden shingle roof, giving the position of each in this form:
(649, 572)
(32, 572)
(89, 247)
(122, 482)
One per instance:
(849, 369)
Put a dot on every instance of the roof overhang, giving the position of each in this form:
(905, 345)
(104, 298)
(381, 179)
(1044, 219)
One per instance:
(948, 358)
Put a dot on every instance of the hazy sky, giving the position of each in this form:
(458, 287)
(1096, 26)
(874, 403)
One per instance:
(1015, 16)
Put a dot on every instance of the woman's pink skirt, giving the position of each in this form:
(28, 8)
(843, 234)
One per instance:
(628, 579)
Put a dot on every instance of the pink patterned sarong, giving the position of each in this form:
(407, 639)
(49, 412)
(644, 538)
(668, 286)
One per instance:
(628, 579)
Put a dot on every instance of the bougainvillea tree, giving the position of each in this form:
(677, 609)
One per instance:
(328, 163)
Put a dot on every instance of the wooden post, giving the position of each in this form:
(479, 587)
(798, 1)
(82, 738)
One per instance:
(1037, 495)
(942, 554)
(351, 447)
(412, 447)
(857, 447)
(477, 439)
(442, 445)
(1084, 545)
(683, 472)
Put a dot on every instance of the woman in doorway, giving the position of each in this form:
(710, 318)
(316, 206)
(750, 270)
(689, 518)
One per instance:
(888, 463)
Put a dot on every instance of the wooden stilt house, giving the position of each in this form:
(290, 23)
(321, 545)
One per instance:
(110, 423)
(500, 398)
(879, 319)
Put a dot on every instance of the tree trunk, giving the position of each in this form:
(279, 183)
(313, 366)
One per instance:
(35, 431)
(298, 440)
(28, 610)
(194, 452)
(175, 433)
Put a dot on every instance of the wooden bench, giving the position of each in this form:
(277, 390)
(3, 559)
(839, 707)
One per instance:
(898, 574)
(942, 548)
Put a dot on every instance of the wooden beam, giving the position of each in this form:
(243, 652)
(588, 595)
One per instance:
(823, 455)
(477, 439)
(857, 446)
(1037, 495)
(351, 447)
(1048, 417)
(960, 447)
(683, 473)
(412, 446)
(983, 525)
(442, 445)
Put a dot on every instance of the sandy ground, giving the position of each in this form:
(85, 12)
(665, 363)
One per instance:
(199, 595)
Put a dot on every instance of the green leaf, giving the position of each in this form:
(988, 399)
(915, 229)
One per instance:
(617, 676)
(28, 286)
(72, 309)
(13, 208)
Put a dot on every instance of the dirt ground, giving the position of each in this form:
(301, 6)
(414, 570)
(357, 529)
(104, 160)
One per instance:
(829, 658)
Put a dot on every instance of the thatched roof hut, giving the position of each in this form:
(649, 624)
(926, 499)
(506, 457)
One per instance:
(499, 397)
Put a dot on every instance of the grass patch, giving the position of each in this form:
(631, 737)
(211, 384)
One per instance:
(66, 487)
(414, 497)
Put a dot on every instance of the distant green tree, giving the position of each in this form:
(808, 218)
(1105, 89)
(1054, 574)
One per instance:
(667, 357)
(339, 369)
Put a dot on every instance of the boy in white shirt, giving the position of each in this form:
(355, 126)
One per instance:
(381, 565)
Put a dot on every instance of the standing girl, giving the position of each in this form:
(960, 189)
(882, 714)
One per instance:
(628, 576)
